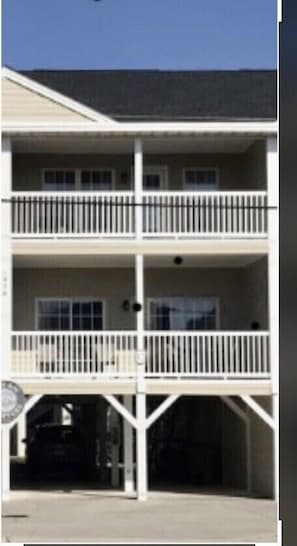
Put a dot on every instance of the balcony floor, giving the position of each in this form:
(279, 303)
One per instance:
(232, 387)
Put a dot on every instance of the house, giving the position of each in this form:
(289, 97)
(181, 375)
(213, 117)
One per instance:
(140, 269)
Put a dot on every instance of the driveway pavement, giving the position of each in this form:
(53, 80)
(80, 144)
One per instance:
(106, 516)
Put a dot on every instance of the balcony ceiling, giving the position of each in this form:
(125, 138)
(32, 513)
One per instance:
(93, 145)
(104, 261)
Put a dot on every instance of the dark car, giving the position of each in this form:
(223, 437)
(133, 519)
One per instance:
(53, 447)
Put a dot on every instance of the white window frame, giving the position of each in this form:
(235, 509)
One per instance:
(77, 175)
(216, 300)
(71, 301)
(216, 169)
(162, 170)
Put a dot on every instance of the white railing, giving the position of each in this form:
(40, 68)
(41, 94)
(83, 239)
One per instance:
(73, 354)
(209, 213)
(207, 354)
(65, 214)
(213, 355)
(112, 214)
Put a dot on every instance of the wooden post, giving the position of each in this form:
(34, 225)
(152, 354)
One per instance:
(128, 449)
(141, 437)
(273, 288)
(6, 307)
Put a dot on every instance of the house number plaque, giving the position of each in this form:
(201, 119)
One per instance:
(12, 401)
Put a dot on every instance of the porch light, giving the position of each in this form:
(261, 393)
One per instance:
(137, 307)
(126, 305)
(178, 260)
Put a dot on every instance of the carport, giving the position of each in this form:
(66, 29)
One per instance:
(190, 442)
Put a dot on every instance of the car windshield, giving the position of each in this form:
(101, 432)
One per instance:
(57, 434)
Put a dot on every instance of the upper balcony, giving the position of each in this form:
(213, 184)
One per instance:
(165, 214)
(191, 189)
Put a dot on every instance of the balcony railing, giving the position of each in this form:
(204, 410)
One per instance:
(65, 214)
(112, 355)
(165, 214)
(205, 214)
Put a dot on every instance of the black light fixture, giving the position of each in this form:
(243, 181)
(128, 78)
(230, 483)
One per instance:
(255, 325)
(178, 260)
(136, 307)
(126, 305)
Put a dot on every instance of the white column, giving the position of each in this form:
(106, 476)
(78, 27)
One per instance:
(21, 434)
(6, 307)
(138, 183)
(114, 429)
(141, 435)
(273, 283)
(128, 449)
(6, 258)
(5, 460)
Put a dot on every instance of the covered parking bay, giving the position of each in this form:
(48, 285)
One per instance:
(198, 443)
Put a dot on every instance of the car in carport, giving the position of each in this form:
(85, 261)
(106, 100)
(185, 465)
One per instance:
(55, 448)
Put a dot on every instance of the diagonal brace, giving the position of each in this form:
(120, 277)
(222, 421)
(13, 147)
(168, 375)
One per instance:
(258, 410)
(28, 405)
(235, 408)
(160, 409)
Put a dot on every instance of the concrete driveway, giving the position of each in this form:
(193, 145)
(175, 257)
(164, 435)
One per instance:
(108, 516)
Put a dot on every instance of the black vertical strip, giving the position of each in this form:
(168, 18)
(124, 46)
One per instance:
(288, 270)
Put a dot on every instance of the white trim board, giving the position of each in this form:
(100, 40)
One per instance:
(54, 96)
(258, 129)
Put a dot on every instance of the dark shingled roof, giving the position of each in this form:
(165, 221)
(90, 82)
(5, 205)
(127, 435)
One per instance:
(154, 95)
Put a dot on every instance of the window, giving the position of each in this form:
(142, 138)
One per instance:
(77, 180)
(59, 180)
(200, 179)
(154, 177)
(182, 313)
(67, 314)
(96, 180)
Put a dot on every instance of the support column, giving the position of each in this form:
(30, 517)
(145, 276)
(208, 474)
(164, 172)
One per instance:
(6, 308)
(6, 257)
(115, 436)
(141, 437)
(21, 434)
(273, 286)
(128, 449)
(138, 186)
(101, 433)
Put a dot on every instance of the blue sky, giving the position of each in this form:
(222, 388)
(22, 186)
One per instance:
(166, 34)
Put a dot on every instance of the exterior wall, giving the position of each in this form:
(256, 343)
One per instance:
(21, 104)
(257, 293)
(254, 166)
(229, 285)
(236, 172)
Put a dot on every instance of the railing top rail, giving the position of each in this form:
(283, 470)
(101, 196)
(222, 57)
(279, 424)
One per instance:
(213, 333)
(163, 333)
(115, 193)
(71, 194)
(72, 333)
(204, 193)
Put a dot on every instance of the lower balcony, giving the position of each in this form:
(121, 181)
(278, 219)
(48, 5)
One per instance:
(219, 355)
